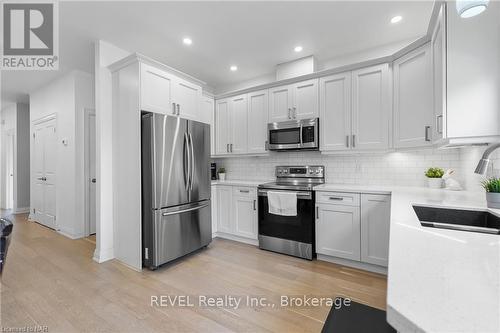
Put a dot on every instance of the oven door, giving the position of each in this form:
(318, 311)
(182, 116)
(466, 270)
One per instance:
(298, 228)
(293, 135)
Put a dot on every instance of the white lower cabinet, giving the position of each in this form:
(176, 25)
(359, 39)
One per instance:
(355, 229)
(236, 212)
(375, 221)
(337, 231)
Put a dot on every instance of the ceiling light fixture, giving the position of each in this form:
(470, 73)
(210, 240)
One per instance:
(187, 41)
(298, 48)
(233, 68)
(396, 19)
(470, 8)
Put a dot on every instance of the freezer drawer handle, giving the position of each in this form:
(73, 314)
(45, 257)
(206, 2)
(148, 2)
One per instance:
(185, 210)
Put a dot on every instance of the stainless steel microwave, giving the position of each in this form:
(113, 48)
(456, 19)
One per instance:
(293, 135)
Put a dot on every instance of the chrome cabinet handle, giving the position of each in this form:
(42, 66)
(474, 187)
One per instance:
(93, 180)
(227, 148)
(427, 138)
(231, 147)
(244, 191)
(294, 114)
(254, 205)
(317, 212)
(336, 198)
(439, 124)
(347, 141)
(354, 141)
(173, 108)
(178, 109)
(289, 113)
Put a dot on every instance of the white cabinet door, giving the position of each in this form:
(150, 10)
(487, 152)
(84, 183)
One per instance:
(413, 105)
(258, 104)
(188, 96)
(156, 90)
(207, 116)
(238, 143)
(375, 222)
(222, 126)
(371, 107)
(224, 201)
(337, 231)
(305, 99)
(245, 216)
(280, 104)
(438, 42)
(335, 111)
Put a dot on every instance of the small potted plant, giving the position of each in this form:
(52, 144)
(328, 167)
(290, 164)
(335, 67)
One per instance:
(222, 174)
(434, 177)
(492, 187)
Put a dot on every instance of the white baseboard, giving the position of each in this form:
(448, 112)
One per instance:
(354, 264)
(22, 210)
(237, 238)
(103, 255)
(70, 235)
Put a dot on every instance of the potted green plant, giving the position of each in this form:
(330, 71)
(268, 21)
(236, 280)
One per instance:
(434, 177)
(492, 187)
(222, 174)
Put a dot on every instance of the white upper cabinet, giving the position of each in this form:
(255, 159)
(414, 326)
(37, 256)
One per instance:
(222, 127)
(238, 110)
(257, 121)
(294, 101)
(156, 90)
(438, 63)
(371, 107)
(207, 116)
(413, 103)
(335, 111)
(280, 104)
(305, 97)
(187, 98)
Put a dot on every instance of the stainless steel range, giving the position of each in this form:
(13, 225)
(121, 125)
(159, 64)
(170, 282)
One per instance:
(293, 235)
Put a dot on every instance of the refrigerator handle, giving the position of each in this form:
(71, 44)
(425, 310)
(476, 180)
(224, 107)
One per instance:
(186, 146)
(191, 178)
(185, 210)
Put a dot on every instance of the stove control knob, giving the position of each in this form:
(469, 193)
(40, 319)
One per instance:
(317, 172)
(286, 171)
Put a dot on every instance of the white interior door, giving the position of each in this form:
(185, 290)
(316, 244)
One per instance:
(44, 172)
(92, 174)
(9, 171)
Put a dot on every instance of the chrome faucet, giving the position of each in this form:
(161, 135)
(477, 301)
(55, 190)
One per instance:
(482, 166)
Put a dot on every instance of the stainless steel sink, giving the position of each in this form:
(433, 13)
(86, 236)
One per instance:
(458, 219)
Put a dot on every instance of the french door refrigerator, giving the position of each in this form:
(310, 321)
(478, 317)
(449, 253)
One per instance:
(176, 213)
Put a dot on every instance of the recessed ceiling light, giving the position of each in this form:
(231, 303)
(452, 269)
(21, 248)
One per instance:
(187, 41)
(297, 48)
(468, 8)
(396, 19)
(233, 68)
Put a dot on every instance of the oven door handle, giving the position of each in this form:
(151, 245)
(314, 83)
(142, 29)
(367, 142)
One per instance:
(300, 195)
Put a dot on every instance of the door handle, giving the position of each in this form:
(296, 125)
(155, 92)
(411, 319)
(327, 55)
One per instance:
(192, 160)
(173, 108)
(254, 205)
(184, 210)
(354, 141)
(187, 174)
(39, 178)
(427, 128)
(347, 141)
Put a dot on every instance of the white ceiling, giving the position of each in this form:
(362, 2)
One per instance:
(253, 35)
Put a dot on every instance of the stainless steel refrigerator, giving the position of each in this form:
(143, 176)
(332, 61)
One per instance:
(176, 212)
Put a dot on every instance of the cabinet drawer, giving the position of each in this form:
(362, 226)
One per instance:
(338, 198)
(244, 191)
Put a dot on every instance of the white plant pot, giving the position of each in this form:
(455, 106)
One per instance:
(493, 200)
(435, 182)
(222, 176)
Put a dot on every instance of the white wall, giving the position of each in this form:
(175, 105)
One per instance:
(22, 184)
(8, 125)
(66, 97)
(105, 54)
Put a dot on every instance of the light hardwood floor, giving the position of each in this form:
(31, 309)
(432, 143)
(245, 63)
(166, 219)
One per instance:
(50, 280)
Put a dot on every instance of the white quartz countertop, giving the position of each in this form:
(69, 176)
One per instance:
(238, 182)
(438, 280)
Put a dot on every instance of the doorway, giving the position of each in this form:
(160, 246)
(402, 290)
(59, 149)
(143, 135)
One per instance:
(44, 171)
(90, 172)
(9, 169)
